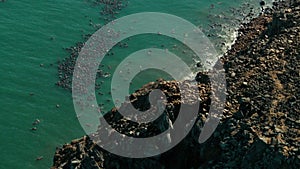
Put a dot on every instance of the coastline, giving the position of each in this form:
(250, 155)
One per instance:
(247, 123)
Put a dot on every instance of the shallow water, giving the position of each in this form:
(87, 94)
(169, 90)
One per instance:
(34, 32)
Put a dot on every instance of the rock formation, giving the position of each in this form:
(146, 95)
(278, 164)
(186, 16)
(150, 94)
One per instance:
(260, 126)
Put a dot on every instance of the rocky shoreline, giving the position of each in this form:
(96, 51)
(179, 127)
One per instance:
(260, 127)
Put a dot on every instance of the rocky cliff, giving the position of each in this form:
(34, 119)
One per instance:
(260, 126)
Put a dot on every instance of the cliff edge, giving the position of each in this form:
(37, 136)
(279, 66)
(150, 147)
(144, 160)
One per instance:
(260, 126)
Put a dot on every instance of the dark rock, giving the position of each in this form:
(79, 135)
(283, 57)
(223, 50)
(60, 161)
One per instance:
(260, 126)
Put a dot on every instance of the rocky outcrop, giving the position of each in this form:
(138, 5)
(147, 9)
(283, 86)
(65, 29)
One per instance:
(260, 125)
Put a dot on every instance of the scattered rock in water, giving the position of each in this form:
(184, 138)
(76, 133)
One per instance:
(34, 128)
(36, 122)
(39, 158)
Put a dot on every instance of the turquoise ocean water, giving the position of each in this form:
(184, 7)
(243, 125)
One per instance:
(34, 32)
